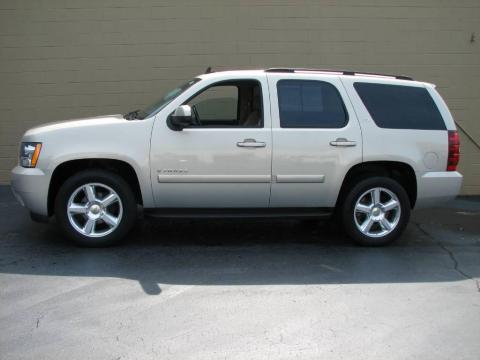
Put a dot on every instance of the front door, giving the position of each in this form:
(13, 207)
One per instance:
(224, 160)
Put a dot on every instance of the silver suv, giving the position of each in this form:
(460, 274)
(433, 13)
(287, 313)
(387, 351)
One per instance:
(278, 142)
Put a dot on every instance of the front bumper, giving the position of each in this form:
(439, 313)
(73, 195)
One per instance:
(437, 188)
(30, 188)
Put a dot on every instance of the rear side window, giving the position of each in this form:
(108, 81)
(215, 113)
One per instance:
(400, 107)
(310, 104)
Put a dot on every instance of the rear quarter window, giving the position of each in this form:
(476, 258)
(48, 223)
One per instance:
(400, 107)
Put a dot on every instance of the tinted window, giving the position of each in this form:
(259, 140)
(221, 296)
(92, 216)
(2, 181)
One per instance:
(236, 103)
(400, 107)
(160, 104)
(310, 104)
(217, 103)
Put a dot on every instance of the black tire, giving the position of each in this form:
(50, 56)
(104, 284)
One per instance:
(112, 180)
(348, 216)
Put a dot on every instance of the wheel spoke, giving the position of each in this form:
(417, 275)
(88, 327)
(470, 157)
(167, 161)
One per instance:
(392, 204)
(94, 210)
(89, 192)
(367, 225)
(109, 220)
(77, 209)
(375, 196)
(386, 225)
(89, 227)
(381, 212)
(109, 199)
(363, 208)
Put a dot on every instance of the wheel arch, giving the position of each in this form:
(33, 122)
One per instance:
(401, 172)
(67, 168)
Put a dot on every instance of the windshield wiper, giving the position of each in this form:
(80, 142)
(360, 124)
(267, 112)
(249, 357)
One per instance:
(135, 114)
(132, 115)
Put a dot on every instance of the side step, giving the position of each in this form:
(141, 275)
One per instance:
(200, 213)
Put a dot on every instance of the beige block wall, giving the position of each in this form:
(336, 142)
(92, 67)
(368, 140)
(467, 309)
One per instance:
(62, 59)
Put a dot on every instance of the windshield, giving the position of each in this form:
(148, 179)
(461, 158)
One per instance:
(159, 104)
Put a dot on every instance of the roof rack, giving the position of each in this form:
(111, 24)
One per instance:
(341, 72)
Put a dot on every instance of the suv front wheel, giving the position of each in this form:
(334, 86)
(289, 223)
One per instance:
(95, 208)
(375, 211)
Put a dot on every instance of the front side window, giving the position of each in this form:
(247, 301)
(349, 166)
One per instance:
(235, 103)
(310, 104)
(400, 107)
(217, 103)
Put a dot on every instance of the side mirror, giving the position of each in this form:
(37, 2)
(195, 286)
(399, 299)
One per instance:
(181, 118)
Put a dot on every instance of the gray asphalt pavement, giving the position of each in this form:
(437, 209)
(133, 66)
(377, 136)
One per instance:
(242, 290)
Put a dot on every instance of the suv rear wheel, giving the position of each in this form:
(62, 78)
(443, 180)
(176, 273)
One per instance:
(95, 208)
(375, 211)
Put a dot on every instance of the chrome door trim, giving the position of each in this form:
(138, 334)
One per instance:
(214, 178)
(300, 178)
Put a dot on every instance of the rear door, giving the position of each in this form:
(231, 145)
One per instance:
(316, 139)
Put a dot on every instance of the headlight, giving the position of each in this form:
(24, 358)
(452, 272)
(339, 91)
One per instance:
(29, 153)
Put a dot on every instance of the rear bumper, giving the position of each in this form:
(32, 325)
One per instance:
(30, 188)
(437, 188)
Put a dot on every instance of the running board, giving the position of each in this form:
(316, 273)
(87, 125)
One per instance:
(239, 213)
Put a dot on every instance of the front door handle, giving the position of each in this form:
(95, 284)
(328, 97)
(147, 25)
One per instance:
(343, 142)
(251, 143)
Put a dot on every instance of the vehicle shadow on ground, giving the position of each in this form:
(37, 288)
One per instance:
(245, 252)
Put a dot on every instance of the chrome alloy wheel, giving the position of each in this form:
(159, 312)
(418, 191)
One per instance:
(94, 210)
(377, 212)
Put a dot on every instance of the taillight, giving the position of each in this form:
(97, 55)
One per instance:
(453, 150)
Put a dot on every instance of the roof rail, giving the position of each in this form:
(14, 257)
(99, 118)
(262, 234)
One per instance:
(342, 72)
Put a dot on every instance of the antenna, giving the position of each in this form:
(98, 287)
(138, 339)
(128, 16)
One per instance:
(209, 70)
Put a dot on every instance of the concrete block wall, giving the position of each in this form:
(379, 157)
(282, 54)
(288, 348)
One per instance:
(63, 59)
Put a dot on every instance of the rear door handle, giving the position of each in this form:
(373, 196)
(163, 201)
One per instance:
(251, 143)
(343, 142)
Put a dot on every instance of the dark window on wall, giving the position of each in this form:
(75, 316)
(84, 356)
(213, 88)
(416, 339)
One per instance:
(310, 104)
(400, 107)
